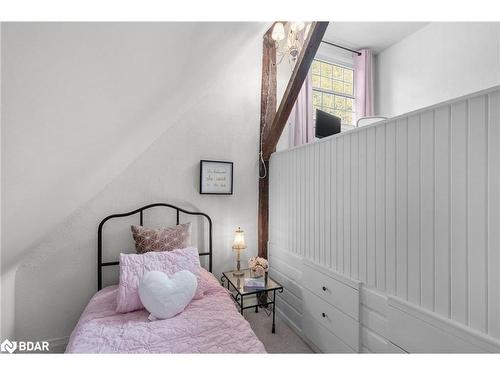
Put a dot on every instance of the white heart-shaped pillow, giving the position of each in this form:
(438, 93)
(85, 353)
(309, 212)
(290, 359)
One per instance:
(166, 297)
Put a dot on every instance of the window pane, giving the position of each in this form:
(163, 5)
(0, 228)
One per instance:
(342, 116)
(338, 86)
(337, 72)
(328, 100)
(331, 84)
(326, 70)
(349, 104)
(315, 81)
(326, 83)
(316, 98)
(347, 118)
(315, 67)
(348, 88)
(339, 102)
(348, 75)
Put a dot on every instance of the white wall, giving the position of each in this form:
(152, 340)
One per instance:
(439, 62)
(410, 207)
(101, 118)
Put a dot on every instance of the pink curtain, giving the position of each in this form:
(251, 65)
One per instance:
(363, 82)
(301, 117)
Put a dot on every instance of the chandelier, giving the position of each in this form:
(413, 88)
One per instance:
(295, 34)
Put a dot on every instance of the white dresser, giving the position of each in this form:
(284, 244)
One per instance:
(336, 314)
(330, 303)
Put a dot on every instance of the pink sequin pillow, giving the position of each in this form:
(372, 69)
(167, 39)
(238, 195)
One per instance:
(161, 239)
(134, 266)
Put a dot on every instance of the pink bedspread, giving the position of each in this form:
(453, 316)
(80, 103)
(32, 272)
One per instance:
(211, 324)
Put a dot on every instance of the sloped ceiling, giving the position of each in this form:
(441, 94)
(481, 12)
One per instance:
(375, 35)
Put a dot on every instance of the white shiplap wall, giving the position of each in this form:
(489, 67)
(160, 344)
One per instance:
(409, 206)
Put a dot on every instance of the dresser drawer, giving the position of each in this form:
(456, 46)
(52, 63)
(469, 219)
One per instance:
(337, 293)
(323, 339)
(331, 318)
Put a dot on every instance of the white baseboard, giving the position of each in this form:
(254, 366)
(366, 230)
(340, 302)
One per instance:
(297, 330)
(418, 330)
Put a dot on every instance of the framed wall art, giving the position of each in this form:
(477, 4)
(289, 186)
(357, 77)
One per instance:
(216, 177)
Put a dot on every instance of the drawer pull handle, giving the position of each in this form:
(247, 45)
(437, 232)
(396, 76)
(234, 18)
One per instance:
(323, 315)
(324, 289)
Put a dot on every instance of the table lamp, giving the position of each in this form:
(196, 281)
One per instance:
(238, 245)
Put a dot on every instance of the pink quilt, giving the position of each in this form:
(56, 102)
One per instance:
(211, 324)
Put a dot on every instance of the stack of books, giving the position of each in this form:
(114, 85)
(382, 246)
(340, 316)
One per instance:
(257, 283)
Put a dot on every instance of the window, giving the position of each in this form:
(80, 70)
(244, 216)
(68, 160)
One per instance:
(333, 91)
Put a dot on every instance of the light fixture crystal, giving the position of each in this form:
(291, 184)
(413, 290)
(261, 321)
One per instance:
(278, 33)
(294, 34)
(297, 26)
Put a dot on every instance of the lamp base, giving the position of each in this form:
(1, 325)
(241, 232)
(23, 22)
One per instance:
(238, 273)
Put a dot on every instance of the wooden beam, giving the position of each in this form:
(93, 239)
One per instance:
(272, 122)
(268, 102)
(299, 74)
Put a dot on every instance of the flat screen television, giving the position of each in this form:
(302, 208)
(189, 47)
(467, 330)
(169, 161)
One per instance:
(326, 124)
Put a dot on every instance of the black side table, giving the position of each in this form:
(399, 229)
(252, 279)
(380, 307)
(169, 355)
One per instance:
(236, 285)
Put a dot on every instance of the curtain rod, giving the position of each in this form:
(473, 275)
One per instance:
(345, 48)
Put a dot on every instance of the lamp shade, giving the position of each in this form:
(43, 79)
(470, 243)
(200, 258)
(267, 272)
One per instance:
(278, 32)
(239, 240)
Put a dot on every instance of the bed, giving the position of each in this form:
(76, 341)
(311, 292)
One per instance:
(211, 324)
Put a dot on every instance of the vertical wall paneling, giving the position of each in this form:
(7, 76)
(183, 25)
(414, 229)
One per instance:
(370, 208)
(305, 182)
(363, 217)
(402, 207)
(333, 203)
(390, 207)
(346, 179)
(409, 206)
(477, 200)
(322, 201)
(305, 202)
(317, 202)
(414, 209)
(427, 210)
(354, 206)
(380, 235)
(493, 239)
(340, 206)
(459, 289)
(442, 183)
(327, 204)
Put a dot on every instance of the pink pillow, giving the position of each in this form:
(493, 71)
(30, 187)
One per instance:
(134, 266)
(161, 239)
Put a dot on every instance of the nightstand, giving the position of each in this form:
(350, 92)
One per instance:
(240, 294)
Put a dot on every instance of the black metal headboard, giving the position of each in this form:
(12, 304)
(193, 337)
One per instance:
(140, 211)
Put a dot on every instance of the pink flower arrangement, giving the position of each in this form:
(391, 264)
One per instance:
(258, 265)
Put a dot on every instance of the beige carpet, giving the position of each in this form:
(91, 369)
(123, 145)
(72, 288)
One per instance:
(285, 340)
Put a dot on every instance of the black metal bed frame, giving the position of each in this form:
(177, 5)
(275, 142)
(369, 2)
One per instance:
(140, 210)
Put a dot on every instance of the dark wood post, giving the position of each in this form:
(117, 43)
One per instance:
(273, 122)
(267, 111)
